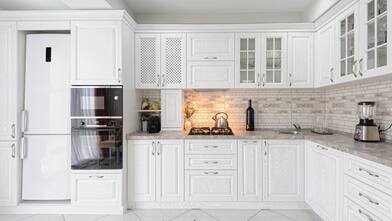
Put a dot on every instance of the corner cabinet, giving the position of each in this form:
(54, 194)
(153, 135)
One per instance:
(161, 61)
(8, 179)
(96, 53)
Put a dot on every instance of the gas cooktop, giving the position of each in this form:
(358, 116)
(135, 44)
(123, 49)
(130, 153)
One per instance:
(210, 131)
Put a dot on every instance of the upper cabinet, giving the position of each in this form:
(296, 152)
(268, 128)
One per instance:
(300, 59)
(247, 61)
(8, 81)
(96, 53)
(211, 46)
(161, 60)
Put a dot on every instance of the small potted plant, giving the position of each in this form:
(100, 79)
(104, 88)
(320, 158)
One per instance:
(189, 111)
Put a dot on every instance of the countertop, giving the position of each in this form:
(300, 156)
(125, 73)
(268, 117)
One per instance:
(377, 152)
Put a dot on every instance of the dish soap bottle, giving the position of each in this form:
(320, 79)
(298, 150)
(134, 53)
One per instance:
(250, 117)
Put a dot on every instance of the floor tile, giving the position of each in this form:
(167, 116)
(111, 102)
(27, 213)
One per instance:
(195, 215)
(13, 217)
(72, 217)
(269, 215)
(300, 215)
(126, 217)
(159, 214)
(235, 215)
(44, 218)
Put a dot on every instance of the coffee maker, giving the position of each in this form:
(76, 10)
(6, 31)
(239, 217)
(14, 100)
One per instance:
(366, 130)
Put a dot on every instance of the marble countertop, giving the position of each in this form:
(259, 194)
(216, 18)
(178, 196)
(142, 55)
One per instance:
(377, 152)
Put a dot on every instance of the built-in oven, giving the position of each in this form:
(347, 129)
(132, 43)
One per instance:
(96, 101)
(97, 143)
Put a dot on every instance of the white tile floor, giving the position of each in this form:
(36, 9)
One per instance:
(179, 215)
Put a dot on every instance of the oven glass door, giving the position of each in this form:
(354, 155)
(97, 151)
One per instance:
(96, 148)
(96, 102)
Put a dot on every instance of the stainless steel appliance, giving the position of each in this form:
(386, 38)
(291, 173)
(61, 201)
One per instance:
(366, 130)
(210, 131)
(96, 144)
(221, 120)
(96, 101)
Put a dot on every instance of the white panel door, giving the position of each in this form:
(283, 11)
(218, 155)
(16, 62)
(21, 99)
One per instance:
(300, 60)
(7, 174)
(8, 81)
(250, 171)
(148, 60)
(170, 170)
(173, 61)
(325, 63)
(211, 185)
(96, 53)
(141, 170)
(210, 46)
(171, 105)
(283, 170)
(214, 74)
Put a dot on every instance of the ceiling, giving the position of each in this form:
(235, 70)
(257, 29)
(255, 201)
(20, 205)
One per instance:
(190, 11)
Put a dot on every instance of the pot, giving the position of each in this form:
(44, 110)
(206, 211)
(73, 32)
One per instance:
(221, 120)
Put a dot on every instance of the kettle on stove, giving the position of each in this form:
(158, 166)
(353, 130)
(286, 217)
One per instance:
(221, 120)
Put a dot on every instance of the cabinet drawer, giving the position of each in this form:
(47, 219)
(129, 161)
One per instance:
(354, 212)
(93, 189)
(210, 147)
(368, 197)
(200, 162)
(210, 46)
(210, 185)
(375, 175)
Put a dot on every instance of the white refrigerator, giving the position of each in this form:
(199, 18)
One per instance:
(46, 142)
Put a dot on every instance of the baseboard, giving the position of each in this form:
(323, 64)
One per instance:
(61, 209)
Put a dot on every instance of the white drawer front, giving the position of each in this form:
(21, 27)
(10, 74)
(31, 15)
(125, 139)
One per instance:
(210, 147)
(214, 74)
(368, 197)
(370, 173)
(211, 46)
(101, 189)
(210, 185)
(353, 212)
(202, 162)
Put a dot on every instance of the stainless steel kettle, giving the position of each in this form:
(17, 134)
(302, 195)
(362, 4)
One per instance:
(221, 120)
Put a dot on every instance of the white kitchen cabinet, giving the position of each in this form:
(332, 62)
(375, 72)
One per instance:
(171, 106)
(148, 60)
(324, 181)
(155, 170)
(247, 60)
(210, 147)
(214, 162)
(353, 212)
(96, 53)
(217, 74)
(283, 170)
(300, 60)
(96, 189)
(8, 81)
(375, 22)
(210, 46)
(274, 60)
(7, 174)
(250, 170)
(325, 55)
(211, 185)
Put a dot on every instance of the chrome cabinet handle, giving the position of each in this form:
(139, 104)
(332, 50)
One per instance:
(368, 198)
(13, 154)
(98, 177)
(159, 148)
(353, 67)
(263, 79)
(211, 173)
(211, 146)
(211, 162)
(369, 172)
(322, 148)
(360, 67)
(24, 121)
(266, 145)
(258, 80)
(158, 80)
(211, 57)
(119, 75)
(13, 130)
(331, 74)
(290, 83)
(153, 148)
(22, 148)
(366, 215)
(163, 80)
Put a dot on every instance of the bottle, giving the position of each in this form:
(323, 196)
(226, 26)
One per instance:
(250, 117)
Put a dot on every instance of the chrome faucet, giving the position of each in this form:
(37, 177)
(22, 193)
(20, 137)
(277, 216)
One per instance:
(297, 127)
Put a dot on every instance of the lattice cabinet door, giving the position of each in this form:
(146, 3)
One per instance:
(173, 60)
(148, 61)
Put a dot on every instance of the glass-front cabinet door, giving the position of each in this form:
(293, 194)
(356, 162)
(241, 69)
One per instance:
(247, 63)
(376, 44)
(274, 60)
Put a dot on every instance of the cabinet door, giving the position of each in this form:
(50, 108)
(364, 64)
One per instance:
(7, 174)
(247, 61)
(211, 185)
(173, 49)
(301, 57)
(213, 74)
(210, 46)
(274, 60)
(376, 22)
(325, 55)
(96, 53)
(324, 181)
(8, 81)
(148, 65)
(141, 170)
(171, 105)
(348, 44)
(170, 170)
(283, 170)
(249, 171)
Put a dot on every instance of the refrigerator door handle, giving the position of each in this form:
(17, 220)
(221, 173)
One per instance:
(22, 148)
(24, 121)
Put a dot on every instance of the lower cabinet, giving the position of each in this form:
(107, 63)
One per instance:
(96, 189)
(7, 174)
(353, 212)
(155, 170)
(324, 182)
(283, 170)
